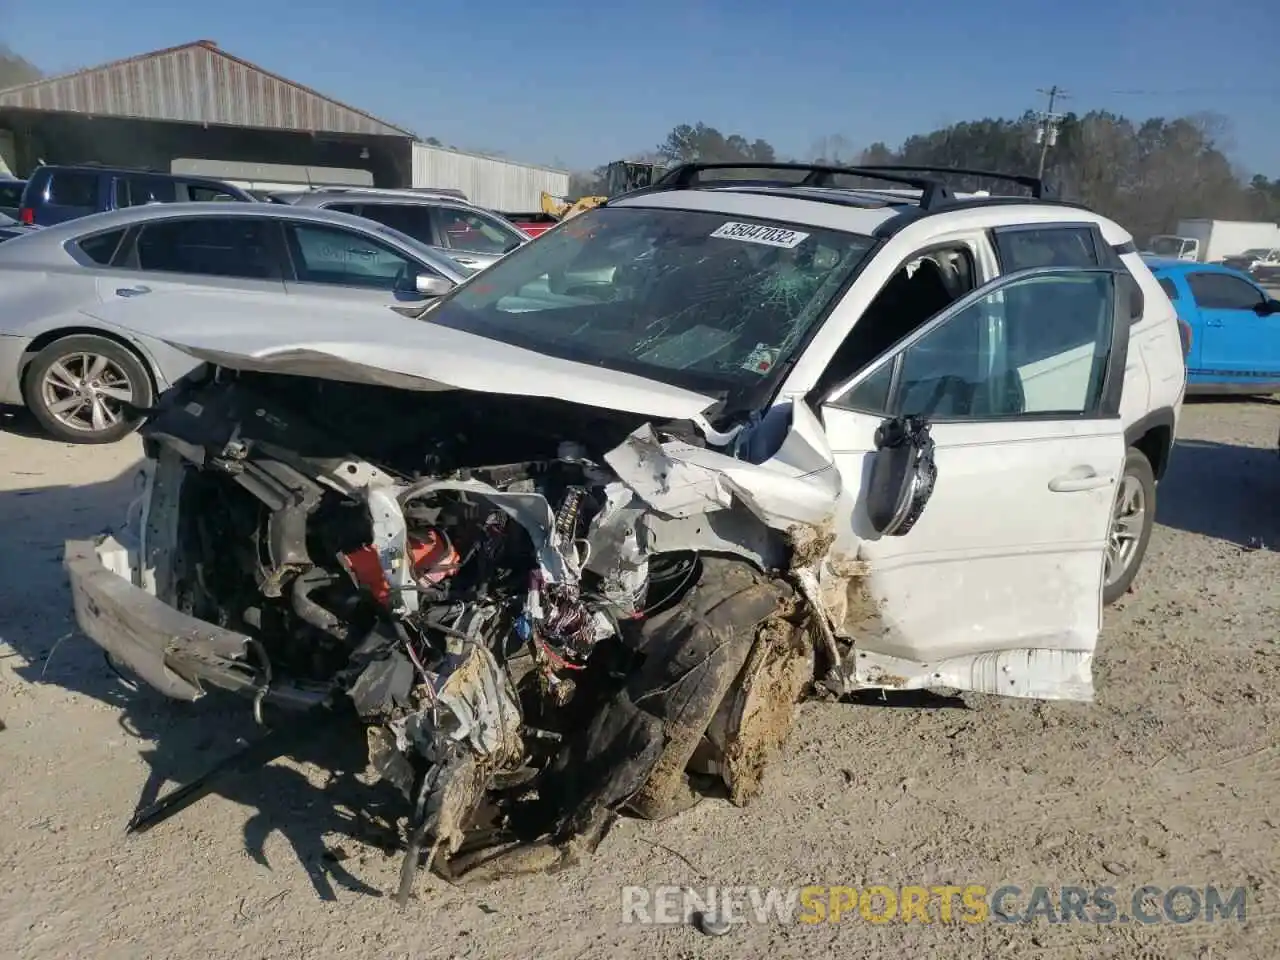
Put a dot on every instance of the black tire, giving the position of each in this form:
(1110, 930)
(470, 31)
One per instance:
(1137, 471)
(66, 352)
(694, 653)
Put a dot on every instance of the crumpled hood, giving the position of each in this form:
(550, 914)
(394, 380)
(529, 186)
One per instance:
(373, 344)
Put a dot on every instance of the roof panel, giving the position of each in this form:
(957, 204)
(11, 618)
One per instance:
(195, 83)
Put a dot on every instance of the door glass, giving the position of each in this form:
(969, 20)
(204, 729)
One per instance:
(137, 191)
(197, 193)
(413, 221)
(1221, 291)
(101, 247)
(210, 246)
(473, 232)
(347, 258)
(1045, 247)
(1035, 346)
(1169, 289)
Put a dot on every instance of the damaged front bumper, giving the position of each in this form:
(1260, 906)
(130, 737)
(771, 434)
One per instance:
(177, 654)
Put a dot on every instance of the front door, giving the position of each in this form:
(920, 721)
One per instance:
(334, 264)
(1238, 346)
(998, 586)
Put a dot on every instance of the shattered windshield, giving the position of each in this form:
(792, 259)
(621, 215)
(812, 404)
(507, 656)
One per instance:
(705, 301)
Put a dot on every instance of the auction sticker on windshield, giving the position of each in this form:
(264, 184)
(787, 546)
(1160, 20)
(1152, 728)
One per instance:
(756, 233)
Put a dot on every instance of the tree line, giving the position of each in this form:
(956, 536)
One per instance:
(1145, 174)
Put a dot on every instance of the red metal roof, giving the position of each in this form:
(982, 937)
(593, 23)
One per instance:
(195, 83)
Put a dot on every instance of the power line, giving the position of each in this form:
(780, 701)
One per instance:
(1047, 127)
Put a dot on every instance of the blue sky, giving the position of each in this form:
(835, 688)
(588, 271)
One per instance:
(582, 83)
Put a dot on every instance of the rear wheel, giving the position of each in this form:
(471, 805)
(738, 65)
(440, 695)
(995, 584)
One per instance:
(80, 389)
(1132, 519)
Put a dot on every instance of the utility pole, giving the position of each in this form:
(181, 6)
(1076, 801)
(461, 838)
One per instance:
(1047, 126)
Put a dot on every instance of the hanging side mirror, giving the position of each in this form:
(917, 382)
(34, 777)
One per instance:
(430, 286)
(903, 475)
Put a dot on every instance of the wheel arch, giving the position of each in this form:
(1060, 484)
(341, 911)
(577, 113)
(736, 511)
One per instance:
(43, 340)
(1153, 434)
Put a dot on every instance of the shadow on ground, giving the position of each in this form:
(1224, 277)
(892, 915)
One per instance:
(1223, 491)
(17, 421)
(179, 741)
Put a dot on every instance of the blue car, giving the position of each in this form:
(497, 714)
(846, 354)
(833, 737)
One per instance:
(1234, 326)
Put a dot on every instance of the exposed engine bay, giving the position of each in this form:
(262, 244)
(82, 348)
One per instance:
(480, 585)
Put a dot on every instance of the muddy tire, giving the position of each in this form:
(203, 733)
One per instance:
(1133, 516)
(694, 654)
(75, 387)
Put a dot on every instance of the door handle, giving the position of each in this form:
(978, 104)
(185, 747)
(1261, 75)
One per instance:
(1081, 478)
(132, 291)
(1213, 323)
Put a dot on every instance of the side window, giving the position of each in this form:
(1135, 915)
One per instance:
(351, 208)
(467, 230)
(101, 247)
(138, 191)
(1035, 346)
(1169, 289)
(1221, 291)
(71, 188)
(209, 246)
(332, 255)
(412, 221)
(199, 193)
(1022, 249)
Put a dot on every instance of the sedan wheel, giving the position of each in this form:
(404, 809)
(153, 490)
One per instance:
(85, 389)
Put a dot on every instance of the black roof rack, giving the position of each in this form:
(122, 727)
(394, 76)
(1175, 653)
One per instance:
(1034, 184)
(687, 177)
(933, 193)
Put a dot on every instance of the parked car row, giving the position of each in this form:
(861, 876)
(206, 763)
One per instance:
(440, 218)
(82, 375)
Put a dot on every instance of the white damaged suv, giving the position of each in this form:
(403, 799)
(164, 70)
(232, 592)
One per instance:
(589, 527)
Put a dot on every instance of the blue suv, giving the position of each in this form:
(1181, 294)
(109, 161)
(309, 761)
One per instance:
(55, 193)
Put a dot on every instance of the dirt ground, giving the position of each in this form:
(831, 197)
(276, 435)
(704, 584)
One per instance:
(1171, 777)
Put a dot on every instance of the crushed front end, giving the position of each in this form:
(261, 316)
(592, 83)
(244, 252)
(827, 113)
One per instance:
(472, 585)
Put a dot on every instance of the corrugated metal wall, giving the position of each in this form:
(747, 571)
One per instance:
(195, 83)
(501, 185)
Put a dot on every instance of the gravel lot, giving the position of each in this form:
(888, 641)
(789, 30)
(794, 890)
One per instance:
(1171, 777)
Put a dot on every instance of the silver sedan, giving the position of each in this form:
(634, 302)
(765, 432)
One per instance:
(85, 378)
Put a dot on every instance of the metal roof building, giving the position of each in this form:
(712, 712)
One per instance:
(199, 103)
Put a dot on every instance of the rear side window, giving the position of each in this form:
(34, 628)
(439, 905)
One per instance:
(210, 246)
(73, 188)
(101, 247)
(411, 220)
(138, 191)
(350, 208)
(1023, 249)
(199, 193)
(1221, 291)
(1169, 289)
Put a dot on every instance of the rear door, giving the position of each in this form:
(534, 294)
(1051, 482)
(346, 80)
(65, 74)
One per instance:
(998, 586)
(236, 257)
(1238, 346)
